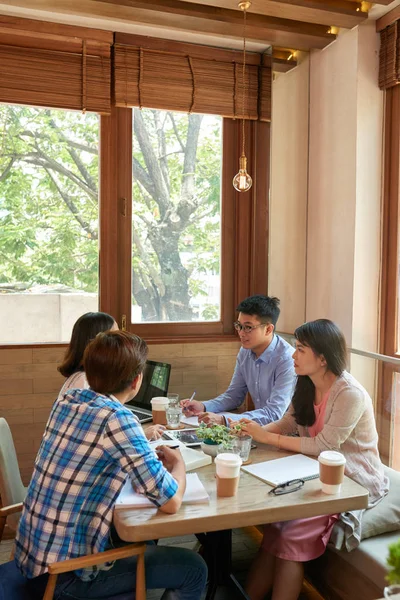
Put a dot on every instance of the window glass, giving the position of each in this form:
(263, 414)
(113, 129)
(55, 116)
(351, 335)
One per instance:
(48, 222)
(176, 222)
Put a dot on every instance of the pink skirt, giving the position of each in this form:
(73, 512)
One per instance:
(298, 540)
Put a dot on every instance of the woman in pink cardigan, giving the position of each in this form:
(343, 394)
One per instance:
(330, 410)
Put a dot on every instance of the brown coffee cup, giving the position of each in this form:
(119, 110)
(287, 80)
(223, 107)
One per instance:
(331, 471)
(227, 467)
(158, 409)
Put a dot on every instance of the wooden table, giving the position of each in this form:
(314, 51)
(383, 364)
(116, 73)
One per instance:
(251, 506)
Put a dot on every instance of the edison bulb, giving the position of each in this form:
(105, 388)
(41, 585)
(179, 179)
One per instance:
(242, 181)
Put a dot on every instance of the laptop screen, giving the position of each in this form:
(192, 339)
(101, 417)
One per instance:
(155, 383)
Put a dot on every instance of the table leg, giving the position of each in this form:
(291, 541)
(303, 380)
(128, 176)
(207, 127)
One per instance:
(218, 556)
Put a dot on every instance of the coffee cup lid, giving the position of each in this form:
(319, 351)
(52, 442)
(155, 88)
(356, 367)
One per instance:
(331, 457)
(227, 459)
(160, 400)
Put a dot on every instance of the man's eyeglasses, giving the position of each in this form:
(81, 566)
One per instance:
(247, 328)
(286, 488)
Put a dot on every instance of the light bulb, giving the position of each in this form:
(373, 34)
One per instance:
(242, 181)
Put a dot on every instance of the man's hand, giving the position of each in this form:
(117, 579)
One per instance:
(211, 418)
(169, 457)
(154, 432)
(191, 408)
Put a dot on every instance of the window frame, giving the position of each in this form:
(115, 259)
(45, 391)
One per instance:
(244, 217)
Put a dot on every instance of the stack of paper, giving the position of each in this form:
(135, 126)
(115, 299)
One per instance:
(195, 494)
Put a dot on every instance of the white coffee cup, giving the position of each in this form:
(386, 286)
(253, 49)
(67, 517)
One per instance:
(227, 468)
(331, 471)
(158, 407)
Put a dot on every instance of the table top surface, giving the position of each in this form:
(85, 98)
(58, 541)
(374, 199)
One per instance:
(251, 506)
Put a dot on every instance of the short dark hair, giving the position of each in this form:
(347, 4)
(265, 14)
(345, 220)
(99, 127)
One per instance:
(266, 308)
(323, 337)
(113, 360)
(85, 329)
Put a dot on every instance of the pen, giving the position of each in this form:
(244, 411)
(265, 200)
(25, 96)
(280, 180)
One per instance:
(190, 399)
(173, 447)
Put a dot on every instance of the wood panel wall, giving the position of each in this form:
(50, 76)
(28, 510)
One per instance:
(30, 382)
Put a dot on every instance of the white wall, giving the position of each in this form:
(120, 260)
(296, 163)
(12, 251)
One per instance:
(288, 206)
(342, 266)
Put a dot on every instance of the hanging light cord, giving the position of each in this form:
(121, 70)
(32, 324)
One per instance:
(244, 79)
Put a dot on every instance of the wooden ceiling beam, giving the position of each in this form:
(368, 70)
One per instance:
(341, 13)
(388, 19)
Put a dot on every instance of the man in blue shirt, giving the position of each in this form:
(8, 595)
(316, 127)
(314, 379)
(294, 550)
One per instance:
(264, 368)
(90, 446)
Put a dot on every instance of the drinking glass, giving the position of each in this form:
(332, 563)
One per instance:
(173, 399)
(238, 445)
(174, 414)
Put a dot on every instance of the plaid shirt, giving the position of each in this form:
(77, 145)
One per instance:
(90, 444)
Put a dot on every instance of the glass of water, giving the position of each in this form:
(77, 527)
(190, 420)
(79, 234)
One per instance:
(174, 414)
(173, 399)
(238, 445)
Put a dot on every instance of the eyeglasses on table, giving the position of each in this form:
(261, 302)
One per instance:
(285, 488)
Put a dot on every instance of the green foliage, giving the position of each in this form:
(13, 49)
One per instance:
(393, 561)
(48, 197)
(49, 171)
(217, 434)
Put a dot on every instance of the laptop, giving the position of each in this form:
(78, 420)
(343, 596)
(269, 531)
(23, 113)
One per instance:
(155, 383)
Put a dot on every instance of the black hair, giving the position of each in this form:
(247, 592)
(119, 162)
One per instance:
(323, 337)
(85, 329)
(266, 308)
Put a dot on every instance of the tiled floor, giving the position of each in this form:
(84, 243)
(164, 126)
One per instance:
(245, 545)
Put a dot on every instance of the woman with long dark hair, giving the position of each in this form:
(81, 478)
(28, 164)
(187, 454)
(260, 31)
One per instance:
(330, 410)
(86, 328)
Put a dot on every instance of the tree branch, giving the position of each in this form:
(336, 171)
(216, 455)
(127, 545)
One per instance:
(72, 207)
(7, 170)
(178, 137)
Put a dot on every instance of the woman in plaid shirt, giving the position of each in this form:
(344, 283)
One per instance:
(91, 444)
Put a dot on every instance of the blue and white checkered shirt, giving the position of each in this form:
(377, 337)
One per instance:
(90, 445)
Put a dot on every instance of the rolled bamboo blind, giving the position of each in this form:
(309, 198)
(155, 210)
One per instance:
(190, 81)
(59, 71)
(389, 71)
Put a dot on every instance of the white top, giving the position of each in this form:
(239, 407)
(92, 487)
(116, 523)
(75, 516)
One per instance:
(75, 381)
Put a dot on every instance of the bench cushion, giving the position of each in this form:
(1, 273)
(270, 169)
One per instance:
(385, 516)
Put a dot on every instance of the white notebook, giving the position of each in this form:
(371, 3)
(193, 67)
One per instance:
(281, 470)
(192, 421)
(194, 459)
(195, 494)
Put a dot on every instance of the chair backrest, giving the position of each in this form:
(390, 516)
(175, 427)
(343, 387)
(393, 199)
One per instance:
(12, 489)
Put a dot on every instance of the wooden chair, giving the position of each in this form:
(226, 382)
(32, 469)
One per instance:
(13, 585)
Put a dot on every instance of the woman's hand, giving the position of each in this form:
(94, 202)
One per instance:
(252, 428)
(154, 432)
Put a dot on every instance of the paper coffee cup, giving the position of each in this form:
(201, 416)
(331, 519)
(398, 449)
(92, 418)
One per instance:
(331, 471)
(158, 408)
(227, 468)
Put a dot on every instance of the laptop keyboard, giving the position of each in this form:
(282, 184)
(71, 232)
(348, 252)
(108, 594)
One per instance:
(141, 415)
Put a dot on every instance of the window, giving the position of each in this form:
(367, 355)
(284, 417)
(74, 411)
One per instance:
(223, 254)
(176, 216)
(48, 222)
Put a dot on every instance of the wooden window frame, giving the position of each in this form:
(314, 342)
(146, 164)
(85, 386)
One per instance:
(385, 408)
(244, 269)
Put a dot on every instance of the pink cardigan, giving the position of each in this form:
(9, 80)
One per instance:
(349, 426)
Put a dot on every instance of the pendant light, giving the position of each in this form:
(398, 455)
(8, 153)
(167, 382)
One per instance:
(242, 181)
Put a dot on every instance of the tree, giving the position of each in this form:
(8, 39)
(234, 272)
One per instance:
(49, 204)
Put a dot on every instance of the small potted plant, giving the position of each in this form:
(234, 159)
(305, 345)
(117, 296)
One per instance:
(393, 576)
(213, 436)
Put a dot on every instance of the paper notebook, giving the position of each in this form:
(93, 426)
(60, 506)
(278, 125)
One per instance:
(285, 469)
(195, 494)
(194, 459)
(192, 421)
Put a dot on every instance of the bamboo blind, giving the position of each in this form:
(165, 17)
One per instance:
(389, 68)
(173, 80)
(55, 70)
